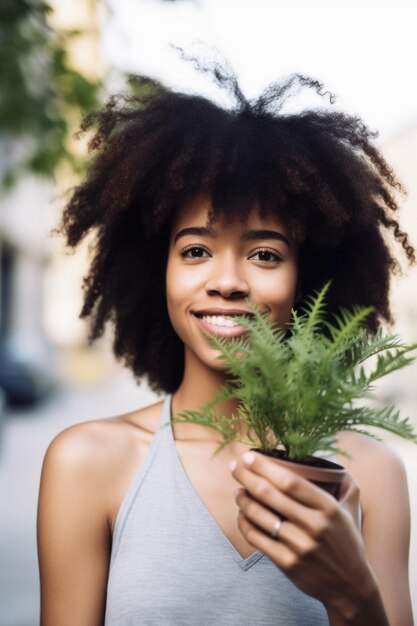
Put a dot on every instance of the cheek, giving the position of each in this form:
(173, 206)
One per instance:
(183, 284)
(180, 288)
(279, 293)
(172, 294)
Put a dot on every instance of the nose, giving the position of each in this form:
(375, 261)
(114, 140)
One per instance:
(227, 280)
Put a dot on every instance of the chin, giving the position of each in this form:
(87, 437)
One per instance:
(206, 360)
(215, 363)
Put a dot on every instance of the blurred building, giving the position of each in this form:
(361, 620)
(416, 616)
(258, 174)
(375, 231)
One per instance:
(401, 153)
(77, 361)
(26, 359)
(34, 327)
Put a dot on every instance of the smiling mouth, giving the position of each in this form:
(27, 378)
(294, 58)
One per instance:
(222, 321)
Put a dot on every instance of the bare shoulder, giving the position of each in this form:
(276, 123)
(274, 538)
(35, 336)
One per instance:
(376, 467)
(103, 441)
(380, 474)
(363, 450)
(98, 458)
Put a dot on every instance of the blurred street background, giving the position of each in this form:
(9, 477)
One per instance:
(60, 60)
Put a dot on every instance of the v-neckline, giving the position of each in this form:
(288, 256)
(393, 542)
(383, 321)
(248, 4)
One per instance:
(244, 563)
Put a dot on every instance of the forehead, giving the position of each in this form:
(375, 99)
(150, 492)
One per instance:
(196, 211)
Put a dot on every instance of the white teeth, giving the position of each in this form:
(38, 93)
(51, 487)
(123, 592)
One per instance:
(219, 320)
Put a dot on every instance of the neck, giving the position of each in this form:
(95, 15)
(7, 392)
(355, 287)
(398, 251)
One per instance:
(199, 386)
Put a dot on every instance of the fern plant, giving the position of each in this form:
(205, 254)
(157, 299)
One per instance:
(298, 387)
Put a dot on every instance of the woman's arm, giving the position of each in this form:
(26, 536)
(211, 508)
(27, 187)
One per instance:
(386, 521)
(73, 532)
(320, 548)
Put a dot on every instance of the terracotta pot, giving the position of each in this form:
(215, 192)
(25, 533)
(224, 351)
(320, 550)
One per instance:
(323, 473)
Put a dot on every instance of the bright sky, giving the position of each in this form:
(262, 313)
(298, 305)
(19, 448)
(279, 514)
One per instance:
(364, 50)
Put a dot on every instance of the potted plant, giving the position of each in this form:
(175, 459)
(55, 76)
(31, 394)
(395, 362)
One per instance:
(298, 387)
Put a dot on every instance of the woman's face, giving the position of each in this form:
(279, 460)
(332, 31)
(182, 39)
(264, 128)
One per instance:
(213, 270)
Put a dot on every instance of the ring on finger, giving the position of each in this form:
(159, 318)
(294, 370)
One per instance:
(276, 529)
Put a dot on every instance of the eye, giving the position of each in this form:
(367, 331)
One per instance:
(266, 256)
(194, 252)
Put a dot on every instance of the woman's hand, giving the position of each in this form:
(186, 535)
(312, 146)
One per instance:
(319, 546)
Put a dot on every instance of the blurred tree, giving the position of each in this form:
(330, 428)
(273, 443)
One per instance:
(40, 93)
(42, 97)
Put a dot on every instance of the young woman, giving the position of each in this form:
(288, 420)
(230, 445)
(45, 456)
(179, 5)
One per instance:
(195, 211)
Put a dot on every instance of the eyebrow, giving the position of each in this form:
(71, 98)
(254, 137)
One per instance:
(194, 230)
(251, 235)
(256, 235)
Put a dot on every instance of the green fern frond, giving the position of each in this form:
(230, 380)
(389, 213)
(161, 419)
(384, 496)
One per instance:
(297, 387)
(392, 361)
(224, 425)
(364, 346)
(314, 309)
(346, 327)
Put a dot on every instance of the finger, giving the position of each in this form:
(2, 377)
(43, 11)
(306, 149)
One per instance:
(287, 481)
(270, 496)
(260, 515)
(294, 537)
(277, 551)
(314, 520)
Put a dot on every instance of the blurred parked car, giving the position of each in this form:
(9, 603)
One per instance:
(22, 383)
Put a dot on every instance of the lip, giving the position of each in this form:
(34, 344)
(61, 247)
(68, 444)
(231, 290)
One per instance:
(220, 311)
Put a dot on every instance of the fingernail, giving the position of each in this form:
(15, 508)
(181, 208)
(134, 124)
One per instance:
(232, 465)
(236, 491)
(248, 458)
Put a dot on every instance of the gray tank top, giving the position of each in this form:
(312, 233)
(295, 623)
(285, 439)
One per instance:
(171, 564)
